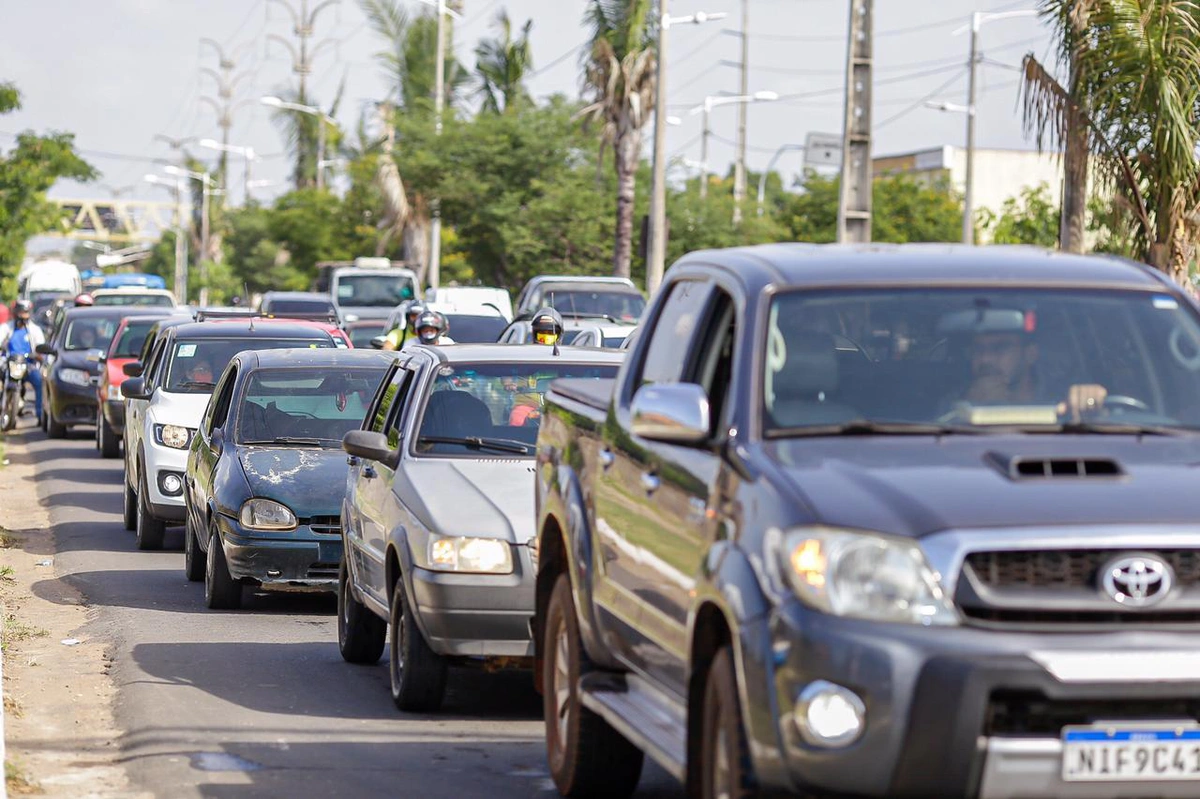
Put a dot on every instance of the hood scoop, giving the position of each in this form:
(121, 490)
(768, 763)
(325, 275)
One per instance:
(1022, 468)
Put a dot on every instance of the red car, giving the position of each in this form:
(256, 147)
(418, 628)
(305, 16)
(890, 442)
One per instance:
(125, 348)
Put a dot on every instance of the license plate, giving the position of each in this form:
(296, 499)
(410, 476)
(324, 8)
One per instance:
(1131, 752)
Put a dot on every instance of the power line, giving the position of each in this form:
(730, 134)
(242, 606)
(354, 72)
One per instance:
(922, 100)
(732, 143)
(560, 59)
(698, 49)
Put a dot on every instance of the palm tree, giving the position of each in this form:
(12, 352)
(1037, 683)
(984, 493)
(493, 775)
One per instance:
(389, 20)
(1134, 96)
(619, 79)
(501, 65)
(301, 134)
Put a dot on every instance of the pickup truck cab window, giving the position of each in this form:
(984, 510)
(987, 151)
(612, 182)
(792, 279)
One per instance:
(665, 358)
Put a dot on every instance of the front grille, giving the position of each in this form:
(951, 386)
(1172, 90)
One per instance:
(1031, 713)
(325, 525)
(322, 571)
(1100, 617)
(1068, 568)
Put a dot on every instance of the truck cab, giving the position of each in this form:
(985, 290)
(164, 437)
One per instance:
(366, 288)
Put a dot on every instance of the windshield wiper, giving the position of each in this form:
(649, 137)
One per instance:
(308, 442)
(477, 442)
(1109, 428)
(867, 427)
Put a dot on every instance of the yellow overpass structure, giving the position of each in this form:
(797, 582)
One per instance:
(115, 221)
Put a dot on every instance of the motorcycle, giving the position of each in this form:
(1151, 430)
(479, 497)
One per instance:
(12, 399)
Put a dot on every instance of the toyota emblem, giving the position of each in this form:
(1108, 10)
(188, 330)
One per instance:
(1137, 581)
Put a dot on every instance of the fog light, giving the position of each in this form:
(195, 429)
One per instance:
(171, 484)
(829, 715)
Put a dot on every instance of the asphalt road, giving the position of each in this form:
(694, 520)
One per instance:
(258, 702)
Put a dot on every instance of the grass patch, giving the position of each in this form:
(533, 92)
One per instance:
(8, 539)
(15, 630)
(18, 784)
(6, 574)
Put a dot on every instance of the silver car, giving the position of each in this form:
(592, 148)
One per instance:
(439, 511)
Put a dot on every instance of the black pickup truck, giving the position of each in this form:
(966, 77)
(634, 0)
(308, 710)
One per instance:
(915, 521)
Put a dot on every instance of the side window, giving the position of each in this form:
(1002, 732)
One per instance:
(147, 348)
(665, 360)
(713, 363)
(151, 365)
(382, 403)
(224, 397)
(396, 416)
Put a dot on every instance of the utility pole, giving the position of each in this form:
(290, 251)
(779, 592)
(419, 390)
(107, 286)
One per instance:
(705, 130)
(968, 221)
(739, 168)
(854, 195)
(656, 263)
(433, 275)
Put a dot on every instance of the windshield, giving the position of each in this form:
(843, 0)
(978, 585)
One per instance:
(129, 343)
(492, 408)
(43, 300)
(622, 306)
(465, 329)
(310, 307)
(135, 298)
(89, 334)
(315, 405)
(1026, 359)
(195, 365)
(361, 334)
(374, 291)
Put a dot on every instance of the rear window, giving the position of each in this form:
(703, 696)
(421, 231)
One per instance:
(137, 299)
(284, 307)
(465, 329)
(196, 364)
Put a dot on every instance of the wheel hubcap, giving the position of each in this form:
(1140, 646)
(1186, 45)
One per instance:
(562, 687)
(398, 651)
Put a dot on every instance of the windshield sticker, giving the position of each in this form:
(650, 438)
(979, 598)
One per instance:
(445, 371)
(186, 351)
(1166, 303)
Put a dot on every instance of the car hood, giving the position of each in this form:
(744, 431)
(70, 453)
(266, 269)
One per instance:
(88, 360)
(467, 497)
(308, 480)
(914, 486)
(185, 410)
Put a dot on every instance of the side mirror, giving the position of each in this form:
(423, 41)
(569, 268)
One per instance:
(44, 349)
(378, 342)
(134, 388)
(371, 446)
(102, 357)
(675, 413)
(132, 369)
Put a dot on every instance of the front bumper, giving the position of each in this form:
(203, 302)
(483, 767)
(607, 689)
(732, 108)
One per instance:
(953, 712)
(297, 558)
(72, 404)
(476, 615)
(159, 461)
(114, 414)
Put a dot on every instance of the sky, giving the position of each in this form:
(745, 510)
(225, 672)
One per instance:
(119, 72)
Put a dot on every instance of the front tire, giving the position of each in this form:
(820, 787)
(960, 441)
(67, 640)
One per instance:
(54, 428)
(194, 564)
(587, 757)
(725, 768)
(150, 531)
(221, 591)
(110, 445)
(12, 406)
(418, 673)
(361, 634)
(129, 508)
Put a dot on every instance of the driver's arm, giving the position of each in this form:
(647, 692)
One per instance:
(1083, 398)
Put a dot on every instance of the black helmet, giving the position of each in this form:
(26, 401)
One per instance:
(430, 326)
(547, 326)
(22, 306)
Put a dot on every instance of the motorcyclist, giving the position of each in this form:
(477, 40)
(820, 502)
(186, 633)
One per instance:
(547, 327)
(431, 328)
(84, 301)
(407, 331)
(22, 337)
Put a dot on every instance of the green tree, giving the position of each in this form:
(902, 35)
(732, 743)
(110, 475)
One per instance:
(1031, 218)
(27, 172)
(619, 76)
(501, 65)
(904, 210)
(1136, 86)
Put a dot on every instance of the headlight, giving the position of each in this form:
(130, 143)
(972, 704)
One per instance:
(480, 555)
(865, 576)
(76, 377)
(266, 514)
(173, 436)
(17, 370)
(113, 392)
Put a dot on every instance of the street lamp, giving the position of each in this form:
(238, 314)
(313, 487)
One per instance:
(246, 153)
(658, 190)
(207, 184)
(978, 19)
(762, 179)
(277, 102)
(181, 255)
(714, 101)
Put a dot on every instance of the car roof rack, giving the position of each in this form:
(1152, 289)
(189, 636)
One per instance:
(204, 315)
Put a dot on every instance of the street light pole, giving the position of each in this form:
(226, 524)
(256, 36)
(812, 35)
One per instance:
(968, 221)
(433, 275)
(704, 131)
(739, 167)
(711, 102)
(762, 180)
(206, 182)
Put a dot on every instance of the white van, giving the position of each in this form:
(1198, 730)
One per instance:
(479, 300)
(48, 275)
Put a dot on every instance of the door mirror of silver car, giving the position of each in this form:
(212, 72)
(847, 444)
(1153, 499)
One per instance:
(675, 413)
(371, 446)
(132, 369)
(134, 388)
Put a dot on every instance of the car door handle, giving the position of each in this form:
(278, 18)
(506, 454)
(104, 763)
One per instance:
(369, 472)
(607, 458)
(352, 460)
(650, 482)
